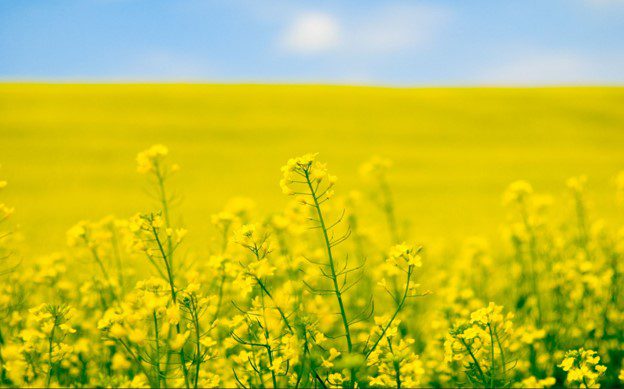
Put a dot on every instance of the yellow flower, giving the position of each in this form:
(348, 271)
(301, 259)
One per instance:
(173, 314)
(66, 328)
(117, 331)
(307, 169)
(180, 234)
(148, 160)
(5, 211)
(29, 335)
(262, 268)
(404, 253)
(335, 379)
(120, 362)
(470, 333)
(380, 380)
(376, 168)
(582, 367)
(517, 192)
(567, 363)
(179, 340)
(77, 234)
(576, 184)
(137, 335)
(333, 354)
(276, 366)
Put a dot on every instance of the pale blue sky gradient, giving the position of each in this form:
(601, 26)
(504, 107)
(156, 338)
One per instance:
(348, 42)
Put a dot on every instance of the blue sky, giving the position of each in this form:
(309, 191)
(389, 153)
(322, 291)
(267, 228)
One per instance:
(351, 42)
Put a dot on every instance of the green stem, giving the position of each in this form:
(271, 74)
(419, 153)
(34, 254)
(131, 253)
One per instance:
(158, 374)
(165, 205)
(502, 356)
(137, 360)
(533, 263)
(197, 338)
(343, 313)
(167, 264)
(474, 359)
(267, 338)
(173, 297)
(220, 299)
(492, 369)
(98, 260)
(330, 257)
(396, 312)
(222, 281)
(281, 312)
(389, 210)
(50, 347)
(397, 366)
(117, 252)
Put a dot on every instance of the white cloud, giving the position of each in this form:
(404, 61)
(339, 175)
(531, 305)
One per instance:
(543, 68)
(396, 28)
(384, 29)
(312, 32)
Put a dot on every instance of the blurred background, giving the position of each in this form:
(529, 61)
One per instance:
(235, 88)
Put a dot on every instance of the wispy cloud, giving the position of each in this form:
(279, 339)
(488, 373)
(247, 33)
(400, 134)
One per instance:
(163, 64)
(547, 67)
(394, 28)
(538, 69)
(383, 29)
(312, 32)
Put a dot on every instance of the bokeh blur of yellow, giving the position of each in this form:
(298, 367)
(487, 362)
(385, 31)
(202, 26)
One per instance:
(68, 150)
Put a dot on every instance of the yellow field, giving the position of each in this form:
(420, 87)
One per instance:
(68, 150)
(334, 270)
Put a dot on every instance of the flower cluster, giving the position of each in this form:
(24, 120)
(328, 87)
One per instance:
(328, 294)
(148, 161)
(307, 171)
(583, 367)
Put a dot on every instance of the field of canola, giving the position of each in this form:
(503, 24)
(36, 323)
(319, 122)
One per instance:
(331, 290)
(68, 150)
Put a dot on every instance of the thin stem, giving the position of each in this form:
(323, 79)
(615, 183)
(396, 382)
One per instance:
(135, 357)
(281, 312)
(268, 345)
(388, 207)
(96, 256)
(117, 252)
(167, 264)
(328, 245)
(533, 262)
(222, 281)
(492, 369)
(396, 312)
(397, 366)
(220, 298)
(173, 298)
(343, 314)
(157, 364)
(502, 356)
(165, 204)
(197, 338)
(474, 359)
(50, 347)
(580, 214)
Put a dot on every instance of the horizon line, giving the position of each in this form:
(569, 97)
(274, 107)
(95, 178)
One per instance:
(515, 85)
